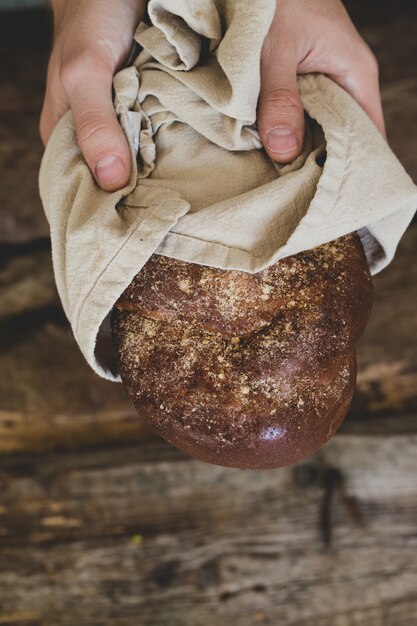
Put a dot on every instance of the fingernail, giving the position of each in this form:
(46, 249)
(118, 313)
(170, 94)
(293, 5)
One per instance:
(110, 169)
(282, 140)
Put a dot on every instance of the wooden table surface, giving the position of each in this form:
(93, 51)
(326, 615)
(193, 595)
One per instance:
(102, 523)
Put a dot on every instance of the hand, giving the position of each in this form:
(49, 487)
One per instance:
(305, 37)
(92, 41)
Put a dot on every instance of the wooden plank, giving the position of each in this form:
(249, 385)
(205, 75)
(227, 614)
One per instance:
(389, 27)
(399, 99)
(24, 47)
(144, 536)
(50, 397)
(387, 352)
(26, 281)
(126, 534)
(7, 5)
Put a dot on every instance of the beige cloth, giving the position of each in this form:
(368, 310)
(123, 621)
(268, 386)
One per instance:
(202, 188)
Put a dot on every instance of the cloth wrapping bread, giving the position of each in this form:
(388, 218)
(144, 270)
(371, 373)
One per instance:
(202, 189)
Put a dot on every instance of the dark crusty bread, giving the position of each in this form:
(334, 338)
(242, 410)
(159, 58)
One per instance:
(245, 370)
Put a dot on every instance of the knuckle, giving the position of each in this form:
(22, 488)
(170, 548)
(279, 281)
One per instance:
(283, 99)
(79, 69)
(91, 131)
(71, 72)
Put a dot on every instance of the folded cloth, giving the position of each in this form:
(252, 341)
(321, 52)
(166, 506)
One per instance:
(202, 188)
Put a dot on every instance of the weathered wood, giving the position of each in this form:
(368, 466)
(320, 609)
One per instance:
(125, 534)
(24, 47)
(27, 283)
(44, 404)
(389, 28)
(399, 99)
(50, 397)
(140, 535)
(387, 353)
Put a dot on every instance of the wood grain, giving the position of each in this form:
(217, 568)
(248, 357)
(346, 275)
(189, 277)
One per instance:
(102, 524)
(26, 283)
(387, 352)
(145, 536)
(389, 27)
(24, 47)
(51, 398)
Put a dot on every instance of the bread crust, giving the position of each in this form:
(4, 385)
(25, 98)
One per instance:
(245, 370)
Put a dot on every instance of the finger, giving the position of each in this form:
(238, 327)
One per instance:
(47, 121)
(52, 110)
(280, 111)
(360, 79)
(101, 139)
(54, 104)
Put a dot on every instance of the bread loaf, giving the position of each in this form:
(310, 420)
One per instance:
(245, 370)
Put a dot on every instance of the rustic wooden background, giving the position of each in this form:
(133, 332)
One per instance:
(101, 523)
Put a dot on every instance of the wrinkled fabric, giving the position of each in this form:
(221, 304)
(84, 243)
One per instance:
(202, 189)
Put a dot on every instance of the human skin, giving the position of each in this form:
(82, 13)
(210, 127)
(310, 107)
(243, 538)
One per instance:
(93, 39)
(311, 36)
(92, 42)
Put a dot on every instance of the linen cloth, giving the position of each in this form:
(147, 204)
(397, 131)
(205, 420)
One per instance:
(202, 188)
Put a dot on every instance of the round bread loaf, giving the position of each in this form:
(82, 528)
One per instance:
(245, 370)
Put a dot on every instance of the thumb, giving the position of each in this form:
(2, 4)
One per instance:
(100, 137)
(280, 113)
